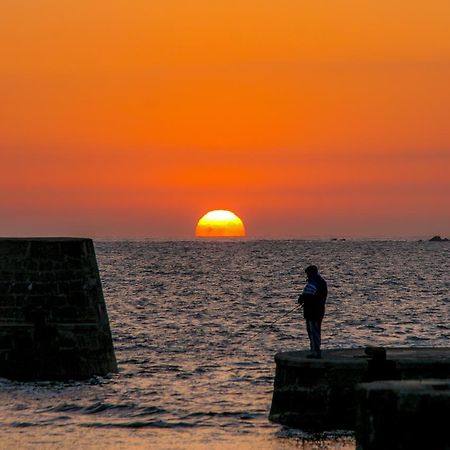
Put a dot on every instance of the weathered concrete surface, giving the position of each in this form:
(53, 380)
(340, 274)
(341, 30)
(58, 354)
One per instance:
(53, 318)
(319, 394)
(405, 414)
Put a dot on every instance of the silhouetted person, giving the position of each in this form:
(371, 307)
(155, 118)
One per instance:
(313, 298)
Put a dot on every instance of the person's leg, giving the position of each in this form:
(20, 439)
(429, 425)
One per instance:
(314, 334)
(317, 336)
(310, 334)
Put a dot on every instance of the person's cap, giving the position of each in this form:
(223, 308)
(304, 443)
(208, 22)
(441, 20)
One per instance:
(312, 270)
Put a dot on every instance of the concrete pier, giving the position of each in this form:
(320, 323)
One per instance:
(53, 319)
(403, 415)
(320, 394)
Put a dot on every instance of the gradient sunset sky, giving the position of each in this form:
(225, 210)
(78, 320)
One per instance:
(306, 118)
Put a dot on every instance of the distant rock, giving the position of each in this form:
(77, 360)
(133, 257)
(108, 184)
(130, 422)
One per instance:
(438, 239)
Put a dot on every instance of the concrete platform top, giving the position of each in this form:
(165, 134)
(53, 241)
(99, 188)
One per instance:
(356, 357)
(40, 239)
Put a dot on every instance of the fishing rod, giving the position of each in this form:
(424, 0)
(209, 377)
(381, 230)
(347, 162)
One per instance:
(274, 322)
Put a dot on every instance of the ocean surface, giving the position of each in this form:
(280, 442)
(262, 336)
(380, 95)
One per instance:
(189, 322)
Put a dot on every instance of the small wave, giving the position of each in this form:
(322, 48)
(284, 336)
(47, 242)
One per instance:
(21, 407)
(150, 410)
(184, 375)
(139, 424)
(243, 415)
(97, 407)
(64, 407)
(100, 407)
(94, 408)
(264, 379)
(23, 424)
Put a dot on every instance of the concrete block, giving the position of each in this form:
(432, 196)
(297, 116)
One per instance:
(406, 414)
(15, 248)
(44, 249)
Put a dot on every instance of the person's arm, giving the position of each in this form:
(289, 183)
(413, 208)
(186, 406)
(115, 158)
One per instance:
(309, 292)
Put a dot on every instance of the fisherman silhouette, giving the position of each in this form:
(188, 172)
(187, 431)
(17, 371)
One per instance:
(313, 299)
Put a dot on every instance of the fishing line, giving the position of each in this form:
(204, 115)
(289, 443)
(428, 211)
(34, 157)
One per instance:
(274, 322)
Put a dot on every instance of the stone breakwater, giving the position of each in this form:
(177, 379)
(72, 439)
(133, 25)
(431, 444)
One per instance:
(320, 394)
(53, 319)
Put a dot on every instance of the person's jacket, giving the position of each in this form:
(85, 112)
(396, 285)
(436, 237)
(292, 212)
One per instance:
(313, 297)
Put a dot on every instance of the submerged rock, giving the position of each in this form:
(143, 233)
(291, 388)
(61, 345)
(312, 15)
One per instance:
(438, 239)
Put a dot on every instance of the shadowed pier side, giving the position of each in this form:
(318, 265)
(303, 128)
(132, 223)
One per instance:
(403, 414)
(320, 394)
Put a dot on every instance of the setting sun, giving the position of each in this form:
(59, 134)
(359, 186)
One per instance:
(220, 223)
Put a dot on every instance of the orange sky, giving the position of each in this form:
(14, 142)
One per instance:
(308, 119)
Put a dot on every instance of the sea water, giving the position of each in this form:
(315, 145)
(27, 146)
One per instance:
(190, 327)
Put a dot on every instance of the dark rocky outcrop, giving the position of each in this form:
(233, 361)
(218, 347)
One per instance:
(438, 239)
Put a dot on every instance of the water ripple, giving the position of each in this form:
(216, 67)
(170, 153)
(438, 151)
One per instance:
(190, 328)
